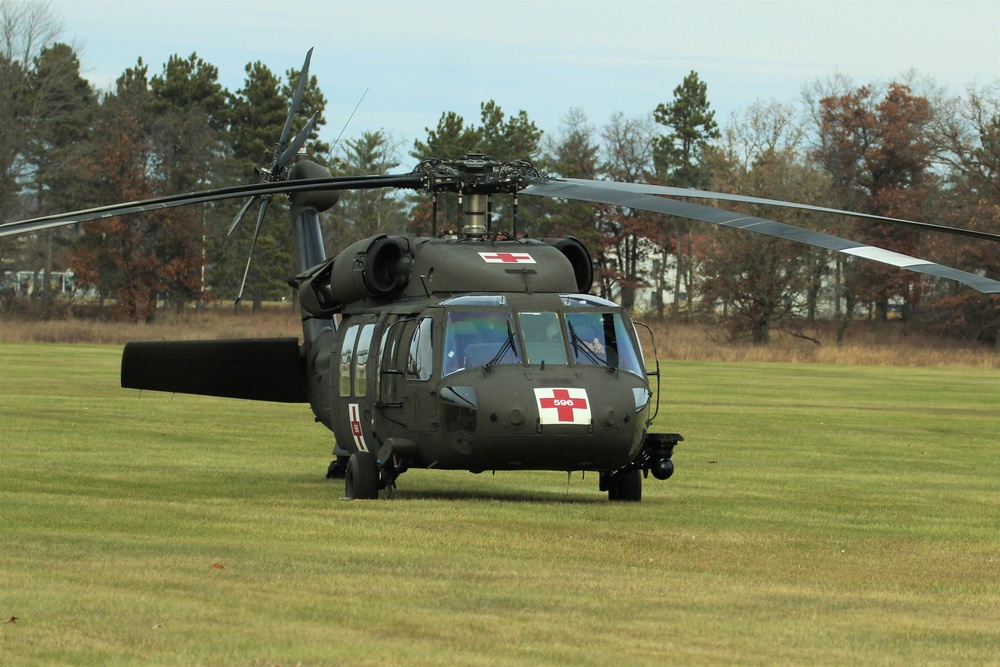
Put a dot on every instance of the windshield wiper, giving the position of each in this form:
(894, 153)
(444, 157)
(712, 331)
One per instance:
(508, 344)
(580, 345)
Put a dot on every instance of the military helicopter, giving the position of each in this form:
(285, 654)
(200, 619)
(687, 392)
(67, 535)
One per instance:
(470, 349)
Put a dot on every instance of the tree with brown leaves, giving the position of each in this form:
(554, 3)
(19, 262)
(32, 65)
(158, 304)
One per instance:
(878, 152)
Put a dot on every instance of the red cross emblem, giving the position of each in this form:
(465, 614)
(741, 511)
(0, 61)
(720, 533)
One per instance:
(507, 258)
(562, 406)
(356, 432)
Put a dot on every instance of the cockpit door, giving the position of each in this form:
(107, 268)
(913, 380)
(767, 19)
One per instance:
(386, 389)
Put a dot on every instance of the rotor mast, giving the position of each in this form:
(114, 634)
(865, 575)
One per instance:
(476, 214)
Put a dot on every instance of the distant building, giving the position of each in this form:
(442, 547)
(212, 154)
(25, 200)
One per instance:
(28, 283)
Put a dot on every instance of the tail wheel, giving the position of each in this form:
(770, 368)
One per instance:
(337, 468)
(361, 477)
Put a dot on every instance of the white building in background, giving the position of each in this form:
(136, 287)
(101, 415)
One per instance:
(27, 283)
(648, 298)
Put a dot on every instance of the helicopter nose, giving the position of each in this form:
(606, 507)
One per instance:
(577, 410)
(513, 418)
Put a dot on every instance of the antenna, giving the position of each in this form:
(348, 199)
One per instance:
(329, 153)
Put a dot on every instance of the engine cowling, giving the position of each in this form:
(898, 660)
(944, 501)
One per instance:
(579, 257)
(378, 268)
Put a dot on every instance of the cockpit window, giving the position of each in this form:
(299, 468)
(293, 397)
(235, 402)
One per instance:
(601, 338)
(420, 360)
(475, 338)
(543, 338)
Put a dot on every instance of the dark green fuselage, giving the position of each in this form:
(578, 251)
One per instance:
(563, 412)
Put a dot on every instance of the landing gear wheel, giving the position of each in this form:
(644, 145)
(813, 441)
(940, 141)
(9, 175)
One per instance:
(361, 477)
(626, 486)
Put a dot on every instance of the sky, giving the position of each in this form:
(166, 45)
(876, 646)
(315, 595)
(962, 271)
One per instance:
(420, 58)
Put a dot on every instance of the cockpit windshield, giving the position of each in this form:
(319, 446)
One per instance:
(586, 335)
(543, 338)
(474, 338)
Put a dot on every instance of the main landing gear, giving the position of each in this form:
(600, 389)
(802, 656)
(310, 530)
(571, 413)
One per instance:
(364, 477)
(361, 477)
(623, 485)
(655, 455)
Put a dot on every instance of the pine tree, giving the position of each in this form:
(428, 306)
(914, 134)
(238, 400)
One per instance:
(677, 162)
(692, 125)
(258, 113)
(502, 138)
(364, 213)
(54, 148)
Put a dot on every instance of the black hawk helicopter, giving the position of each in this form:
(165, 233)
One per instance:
(471, 350)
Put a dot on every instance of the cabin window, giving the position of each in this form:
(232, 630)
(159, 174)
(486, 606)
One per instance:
(543, 338)
(601, 338)
(361, 360)
(389, 358)
(420, 361)
(346, 356)
(474, 338)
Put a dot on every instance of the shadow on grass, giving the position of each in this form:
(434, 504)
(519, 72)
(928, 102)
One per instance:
(415, 492)
(511, 496)
(423, 487)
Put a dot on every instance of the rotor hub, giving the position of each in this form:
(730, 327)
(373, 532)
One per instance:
(475, 174)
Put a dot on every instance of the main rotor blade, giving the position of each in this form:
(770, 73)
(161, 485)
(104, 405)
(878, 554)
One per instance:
(410, 181)
(600, 192)
(296, 101)
(239, 216)
(265, 201)
(297, 142)
(688, 193)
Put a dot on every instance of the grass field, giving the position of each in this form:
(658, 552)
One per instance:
(820, 514)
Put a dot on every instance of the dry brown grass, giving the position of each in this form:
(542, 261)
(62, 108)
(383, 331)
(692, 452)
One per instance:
(866, 343)
(93, 326)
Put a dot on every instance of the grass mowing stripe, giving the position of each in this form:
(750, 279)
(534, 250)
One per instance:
(820, 514)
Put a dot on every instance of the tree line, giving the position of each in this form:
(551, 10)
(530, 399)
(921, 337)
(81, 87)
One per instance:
(902, 149)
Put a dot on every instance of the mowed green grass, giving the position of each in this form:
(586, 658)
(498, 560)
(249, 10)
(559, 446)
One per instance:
(819, 515)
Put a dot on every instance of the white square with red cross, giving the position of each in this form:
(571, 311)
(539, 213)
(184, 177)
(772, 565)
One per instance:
(562, 405)
(507, 258)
